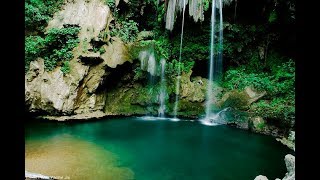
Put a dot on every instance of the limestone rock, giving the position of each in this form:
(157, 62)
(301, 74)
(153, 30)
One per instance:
(83, 116)
(290, 164)
(260, 177)
(52, 92)
(91, 59)
(116, 53)
(92, 16)
(194, 90)
(240, 99)
(76, 92)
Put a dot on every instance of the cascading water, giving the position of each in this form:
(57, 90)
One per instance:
(215, 67)
(179, 68)
(148, 63)
(162, 108)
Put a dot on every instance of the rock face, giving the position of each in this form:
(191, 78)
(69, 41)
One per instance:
(89, 90)
(259, 125)
(78, 91)
(92, 16)
(240, 99)
(290, 141)
(52, 92)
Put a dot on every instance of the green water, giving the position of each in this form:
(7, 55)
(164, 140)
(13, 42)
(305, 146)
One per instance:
(131, 148)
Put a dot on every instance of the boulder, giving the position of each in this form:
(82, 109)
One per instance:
(260, 177)
(240, 100)
(195, 89)
(290, 164)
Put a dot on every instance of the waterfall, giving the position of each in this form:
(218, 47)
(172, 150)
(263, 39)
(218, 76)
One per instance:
(215, 67)
(195, 10)
(179, 68)
(148, 63)
(170, 14)
(163, 91)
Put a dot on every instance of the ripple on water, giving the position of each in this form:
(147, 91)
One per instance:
(68, 157)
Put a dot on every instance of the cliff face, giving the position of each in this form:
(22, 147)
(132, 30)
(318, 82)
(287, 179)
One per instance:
(99, 82)
(56, 93)
(103, 82)
(115, 69)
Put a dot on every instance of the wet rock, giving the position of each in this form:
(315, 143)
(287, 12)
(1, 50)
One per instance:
(240, 99)
(260, 177)
(83, 116)
(290, 164)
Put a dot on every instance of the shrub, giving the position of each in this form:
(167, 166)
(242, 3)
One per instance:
(55, 47)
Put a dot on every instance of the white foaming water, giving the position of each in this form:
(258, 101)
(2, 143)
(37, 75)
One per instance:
(143, 59)
(147, 62)
(162, 95)
(174, 119)
(214, 119)
(152, 64)
(148, 118)
(153, 118)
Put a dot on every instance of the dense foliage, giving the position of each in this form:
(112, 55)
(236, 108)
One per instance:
(279, 102)
(54, 48)
(38, 13)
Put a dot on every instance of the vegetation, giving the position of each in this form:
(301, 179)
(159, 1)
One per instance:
(54, 48)
(39, 12)
(257, 47)
(279, 102)
(126, 29)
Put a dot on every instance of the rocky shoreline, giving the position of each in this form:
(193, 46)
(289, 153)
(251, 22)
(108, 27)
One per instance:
(290, 164)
